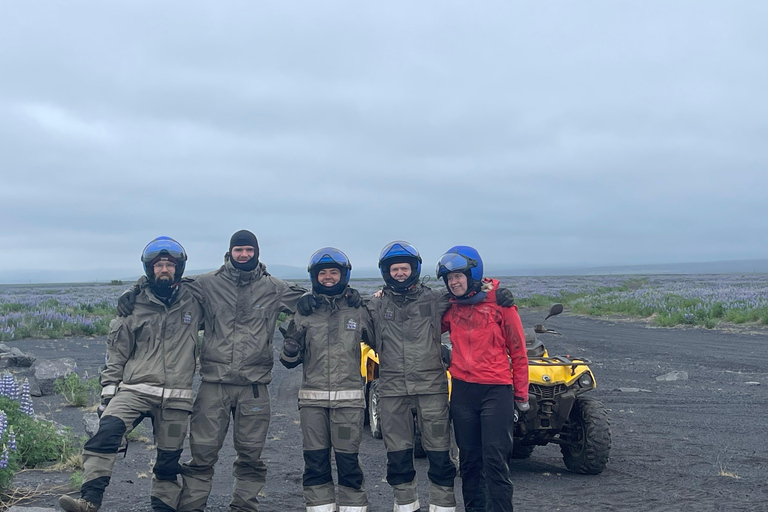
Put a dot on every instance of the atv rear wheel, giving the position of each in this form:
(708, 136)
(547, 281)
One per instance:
(374, 409)
(588, 436)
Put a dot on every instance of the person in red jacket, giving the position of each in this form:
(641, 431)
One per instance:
(487, 342)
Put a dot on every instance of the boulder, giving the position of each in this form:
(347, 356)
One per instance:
(15, 357)
(22, 359)
(27, 373)
(48, 370)
(5, 360)
(4, 348)
(91, 422)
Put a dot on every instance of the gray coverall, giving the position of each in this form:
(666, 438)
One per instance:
(412, 375)
(150, 366)
(241, 309)
(331, 401)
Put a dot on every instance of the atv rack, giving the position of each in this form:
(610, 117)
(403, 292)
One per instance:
(559, 361)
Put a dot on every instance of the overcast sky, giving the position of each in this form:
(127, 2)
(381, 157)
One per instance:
(542, 133)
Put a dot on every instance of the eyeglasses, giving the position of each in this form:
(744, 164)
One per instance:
(164, 264)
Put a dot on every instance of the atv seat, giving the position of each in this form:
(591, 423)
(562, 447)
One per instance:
(533, 345)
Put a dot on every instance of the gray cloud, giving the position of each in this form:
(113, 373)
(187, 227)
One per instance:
(605, 133)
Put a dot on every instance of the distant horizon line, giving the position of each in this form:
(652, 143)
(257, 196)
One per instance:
(293, 273)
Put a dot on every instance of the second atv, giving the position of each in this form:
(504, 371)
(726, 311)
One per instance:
(560, 412)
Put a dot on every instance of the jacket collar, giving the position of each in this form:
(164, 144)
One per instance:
(332, 301)
(412, 293)
(241, 277)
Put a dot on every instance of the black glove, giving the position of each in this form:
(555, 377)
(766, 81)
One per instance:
(306, 304)
(522, 404)
(126, 301)
(290, 348)
(354, 300)
(504, 298)
(104, 404)
(445, 354)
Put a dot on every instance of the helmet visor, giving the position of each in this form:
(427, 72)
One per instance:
(399, 248)
(163, 246)
(329, 256)
(454, 262)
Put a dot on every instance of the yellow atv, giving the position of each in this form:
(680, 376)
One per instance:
(369, 368)
(559, 412)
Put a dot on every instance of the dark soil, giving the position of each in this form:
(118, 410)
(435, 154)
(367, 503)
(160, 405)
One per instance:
(697, 444)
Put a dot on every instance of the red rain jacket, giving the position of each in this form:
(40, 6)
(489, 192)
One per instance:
(488, 340)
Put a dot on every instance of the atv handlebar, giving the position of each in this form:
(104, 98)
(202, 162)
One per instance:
(539, 329)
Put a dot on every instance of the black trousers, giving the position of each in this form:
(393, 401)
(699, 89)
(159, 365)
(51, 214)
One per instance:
(482, 415)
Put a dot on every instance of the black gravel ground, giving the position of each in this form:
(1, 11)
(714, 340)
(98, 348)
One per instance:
(697, 444)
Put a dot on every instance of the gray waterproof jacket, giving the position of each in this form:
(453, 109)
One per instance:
(241, 309)
(152, 351)
(329, 348)
(407, 327)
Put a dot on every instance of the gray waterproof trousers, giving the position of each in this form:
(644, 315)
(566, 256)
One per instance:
(432, 413)
(324, 428)
(215, 405)
(125, 411)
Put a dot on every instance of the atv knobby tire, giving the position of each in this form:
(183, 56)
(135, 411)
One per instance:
(374, 409)
(588, 433)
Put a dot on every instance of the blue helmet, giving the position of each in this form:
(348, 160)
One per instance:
(329, 257)
(462, 258)
(164, 247)
(400, 251)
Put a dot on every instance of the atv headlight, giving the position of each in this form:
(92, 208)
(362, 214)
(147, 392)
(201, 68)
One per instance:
(586, 381)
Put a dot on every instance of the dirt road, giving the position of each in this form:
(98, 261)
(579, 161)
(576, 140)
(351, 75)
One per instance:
(696, 444)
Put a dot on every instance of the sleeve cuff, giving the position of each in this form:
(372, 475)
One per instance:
(109, 390)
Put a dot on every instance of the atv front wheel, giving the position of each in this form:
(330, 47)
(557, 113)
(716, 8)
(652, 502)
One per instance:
(374, 409)
(588, 437)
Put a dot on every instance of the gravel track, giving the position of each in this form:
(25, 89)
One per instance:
(697, 444)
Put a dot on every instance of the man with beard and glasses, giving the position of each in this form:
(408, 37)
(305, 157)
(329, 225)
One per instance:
(241, 302)
(149, 371)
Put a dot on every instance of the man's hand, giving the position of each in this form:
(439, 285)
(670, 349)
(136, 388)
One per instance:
(522, 404)
(306, 304)
(354, 300)
(504, 298)
(290, 348)
(445, 355)
(104, 403)
(126, 301)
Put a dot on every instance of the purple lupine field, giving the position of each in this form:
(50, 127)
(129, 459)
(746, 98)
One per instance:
(54, 311)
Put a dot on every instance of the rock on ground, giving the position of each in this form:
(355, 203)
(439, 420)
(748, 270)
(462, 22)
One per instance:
(48, 370)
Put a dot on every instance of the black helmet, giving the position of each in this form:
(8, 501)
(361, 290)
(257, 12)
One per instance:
(400, 251)
(164, 247)
(329, 257)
